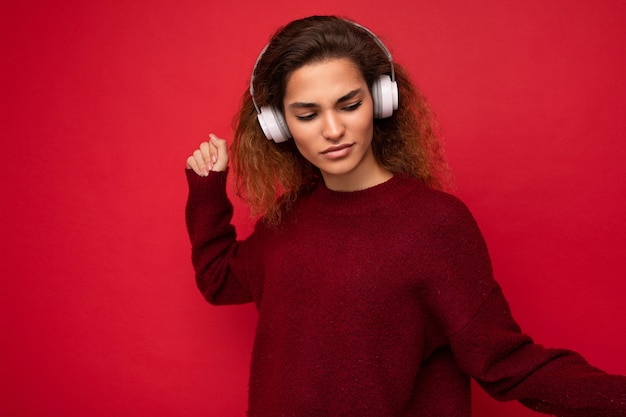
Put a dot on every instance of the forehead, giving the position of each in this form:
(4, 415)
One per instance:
(327, 79)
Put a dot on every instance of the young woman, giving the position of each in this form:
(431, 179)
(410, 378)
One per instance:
(373, 286)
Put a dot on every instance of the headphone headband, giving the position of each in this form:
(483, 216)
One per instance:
(252, 77)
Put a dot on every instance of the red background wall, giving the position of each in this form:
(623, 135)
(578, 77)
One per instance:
(103, 101)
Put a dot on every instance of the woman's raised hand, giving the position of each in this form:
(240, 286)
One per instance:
(210, 156)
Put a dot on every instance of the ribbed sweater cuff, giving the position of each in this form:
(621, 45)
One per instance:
(211, 188)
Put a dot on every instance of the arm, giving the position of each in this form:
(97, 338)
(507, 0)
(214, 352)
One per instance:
(208, 216)
(488, 344)
(509, 366)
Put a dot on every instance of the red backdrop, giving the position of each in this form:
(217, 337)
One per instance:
(103, 101)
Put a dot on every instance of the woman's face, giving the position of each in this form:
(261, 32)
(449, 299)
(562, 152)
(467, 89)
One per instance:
(329, 110)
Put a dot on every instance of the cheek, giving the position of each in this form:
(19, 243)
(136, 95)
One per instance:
(302, 136)
(366, 130)
(298, 130)
(363, 122)
(302, 147)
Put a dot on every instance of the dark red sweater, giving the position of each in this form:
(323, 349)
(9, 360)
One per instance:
(379, 303)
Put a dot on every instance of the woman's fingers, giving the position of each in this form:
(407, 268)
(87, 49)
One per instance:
(210, 156)
(205, 152)
(219, 153)
(191, 164)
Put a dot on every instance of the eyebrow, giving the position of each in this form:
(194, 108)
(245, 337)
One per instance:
(346, 97)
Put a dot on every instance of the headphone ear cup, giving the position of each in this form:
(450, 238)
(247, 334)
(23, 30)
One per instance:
(385, 96)
(273, 124)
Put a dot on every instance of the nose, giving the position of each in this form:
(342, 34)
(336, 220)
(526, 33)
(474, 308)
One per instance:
(333, 127)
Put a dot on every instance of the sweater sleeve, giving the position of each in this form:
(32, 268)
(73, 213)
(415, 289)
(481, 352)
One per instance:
(214, 244)
(510, 366)
(488, 344)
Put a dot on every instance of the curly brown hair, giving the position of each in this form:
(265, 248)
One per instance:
(269, 175)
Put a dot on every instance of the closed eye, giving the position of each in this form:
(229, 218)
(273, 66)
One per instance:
(353, 106)
(306, 117)
(311, 116)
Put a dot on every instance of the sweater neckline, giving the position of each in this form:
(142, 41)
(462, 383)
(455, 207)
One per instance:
(366, 200)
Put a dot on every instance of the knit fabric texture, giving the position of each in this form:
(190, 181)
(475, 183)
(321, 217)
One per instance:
(379, 303)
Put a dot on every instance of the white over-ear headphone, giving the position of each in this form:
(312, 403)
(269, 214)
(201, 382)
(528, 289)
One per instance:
(384, 96)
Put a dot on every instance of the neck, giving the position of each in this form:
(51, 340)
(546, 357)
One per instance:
(356, 180)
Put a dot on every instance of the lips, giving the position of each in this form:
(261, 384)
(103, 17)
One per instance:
(337, 151)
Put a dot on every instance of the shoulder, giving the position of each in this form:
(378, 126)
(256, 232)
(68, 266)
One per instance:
(436, 205)
(440, 218)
